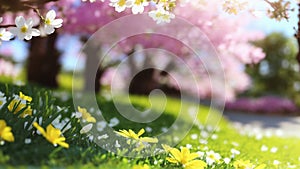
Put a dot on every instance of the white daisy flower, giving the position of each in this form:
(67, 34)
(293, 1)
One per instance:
(189, 146)
(51, 22)
(5, 35)
(274, 149)
(101, 125)
(160, 15)
(105, 136)
(235, 152)
(264, 148)
(227, 160)
(86, 128)
(138, 6)
(2, 99)
(276, 162)
(113, 122)
(212, 157)
(194, 136)
(200, 153)
(24, 28)
(148, 129)
(117, 145)
(120, 5)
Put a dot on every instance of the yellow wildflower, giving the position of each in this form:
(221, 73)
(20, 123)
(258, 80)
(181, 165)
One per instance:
(131, 134)
(20, 106)
(24, 97)
(86, 115)
(241, 164)
(186, 159)
(5, 132)
(145, 166)
(52, 134)
(167, 148)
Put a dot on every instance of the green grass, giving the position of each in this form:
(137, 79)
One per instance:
(84, 153)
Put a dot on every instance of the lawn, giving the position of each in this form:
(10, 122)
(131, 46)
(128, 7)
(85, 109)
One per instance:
(92, 143)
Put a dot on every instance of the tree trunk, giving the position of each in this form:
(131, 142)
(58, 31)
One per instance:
(43, 62)
(298, 35)
(93, 71)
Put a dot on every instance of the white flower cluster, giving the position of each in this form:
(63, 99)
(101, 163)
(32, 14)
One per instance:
(162, 13)
(24, 27)
(234, 6)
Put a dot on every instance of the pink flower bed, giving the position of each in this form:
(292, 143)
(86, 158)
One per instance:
(263, 105)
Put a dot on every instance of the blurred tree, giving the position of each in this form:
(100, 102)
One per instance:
(278, 73)
(43, 62)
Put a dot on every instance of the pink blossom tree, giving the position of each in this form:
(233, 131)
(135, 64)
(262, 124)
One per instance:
(230, 39)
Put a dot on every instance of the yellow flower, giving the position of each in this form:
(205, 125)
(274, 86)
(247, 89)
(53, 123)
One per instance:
(20, 106)
(145, 166)
(24, 97)
(186, 159)
(131, 134)
(241, 164)
(86, 115)
(167, 148)
(52, 134)
(5, 132)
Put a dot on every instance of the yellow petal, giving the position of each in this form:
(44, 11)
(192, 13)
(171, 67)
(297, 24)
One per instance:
(24, 97)
(53, 132)
(172, 160)
(63, 144)
(2, 125)
(141, 132)
(39, 128)
(91, 119)
(192, 156)
(176, 154)
(133, 135)
(7, 135)
(262, 166)
(195, 164)
(149, 139)
(12, 105)
(167, 148)
(185, 152)
(123, 133)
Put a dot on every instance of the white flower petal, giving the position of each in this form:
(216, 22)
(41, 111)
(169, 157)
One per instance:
(14, 30)
(57, 23)
(137, 9)
(28, 36)
(35, 32)
(86, 128)
(6, 36)
(20, 35)
(20, 21)
(49, 29)
(29, 22)
(51, 15)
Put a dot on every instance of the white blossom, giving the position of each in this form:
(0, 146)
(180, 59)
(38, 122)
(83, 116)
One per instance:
(101, 125)
(113, 122)
(212, 157)
(24, 28)
(51, 22)
(161, 15)
(120, 5)
(138, 6)
(86, 128)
